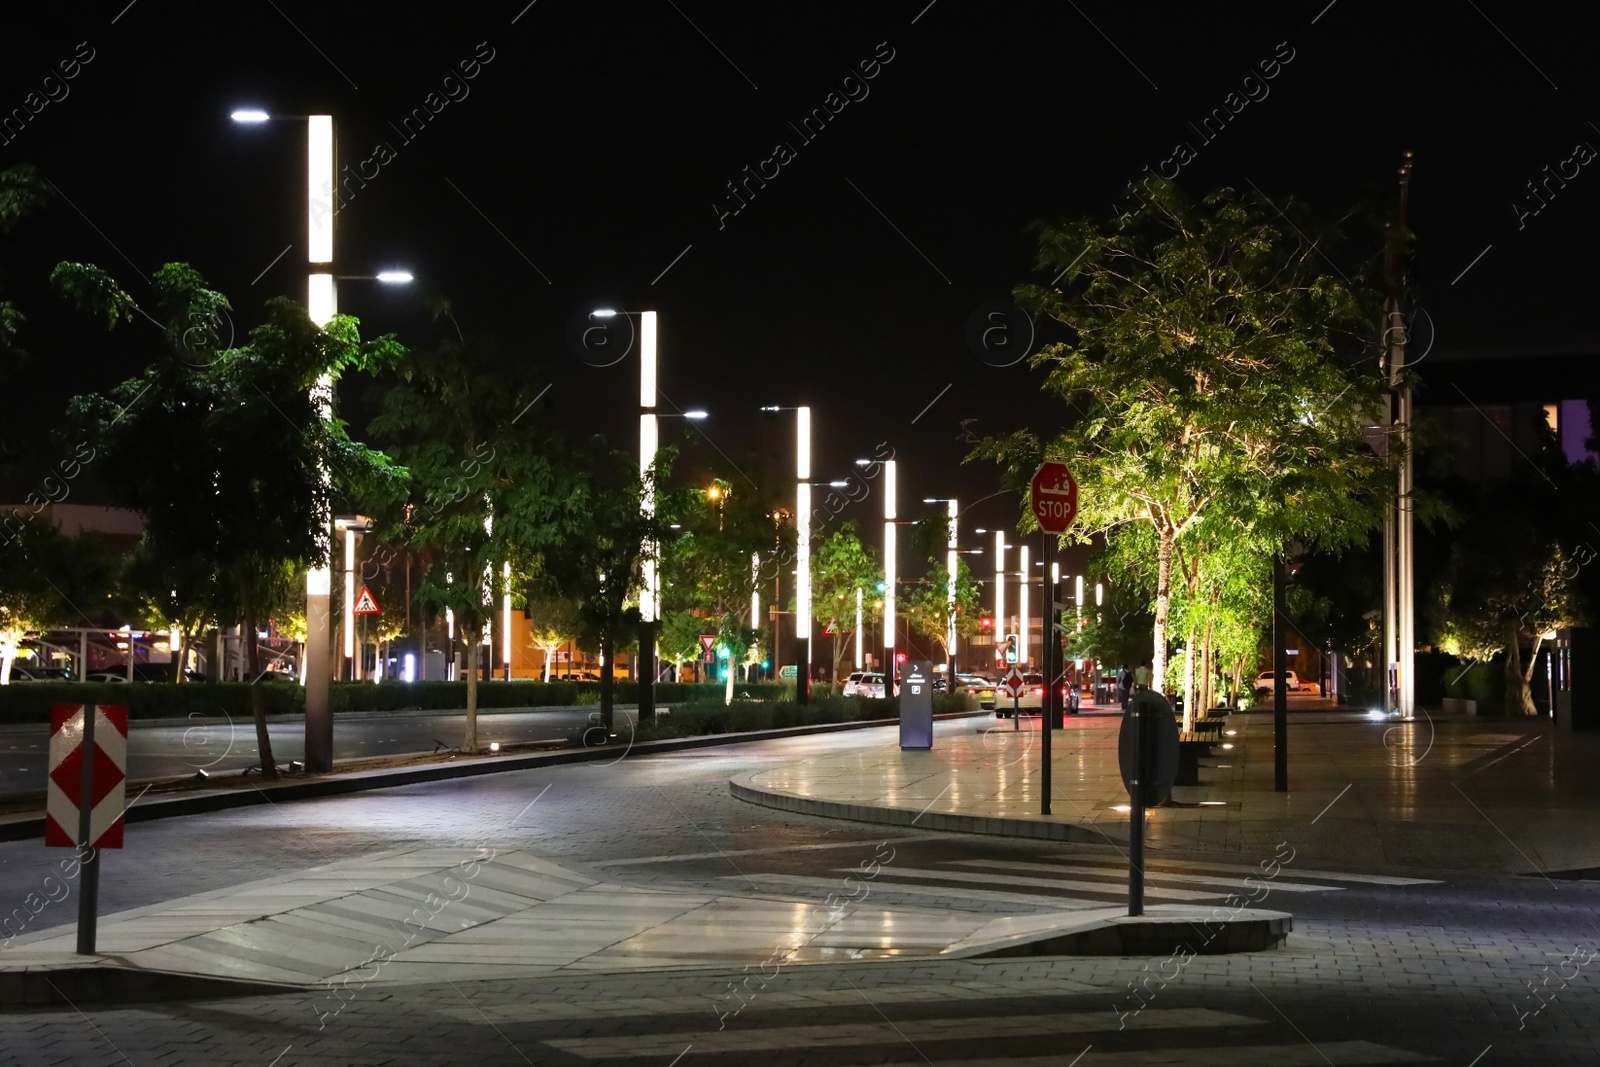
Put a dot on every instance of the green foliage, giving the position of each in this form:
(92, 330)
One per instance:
(695, 720)
(927, 604)
(841, 564)
(46, 580)
(22, 193)
(1209, 366)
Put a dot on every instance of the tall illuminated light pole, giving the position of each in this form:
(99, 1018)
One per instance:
(889, 516)
(858, 628)
(649, 444)
(755, 600)
(1022, 608)
(999, 598)
(802, 525)
(952, 517)
(322, 304)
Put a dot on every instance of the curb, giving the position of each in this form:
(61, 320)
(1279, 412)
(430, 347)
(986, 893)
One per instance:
(1035, 829)
(111, 982)
(32, 825)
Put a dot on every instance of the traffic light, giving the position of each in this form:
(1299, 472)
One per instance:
(986, 623)
(1011, 648)
(899, 657)
(883, 587)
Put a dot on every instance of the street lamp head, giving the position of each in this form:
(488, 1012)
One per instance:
(395, 277)
(837, 485)
(250, 115)
(771, 407)
(603, 313)
(980, 530)
(696, 415)
(863, 462)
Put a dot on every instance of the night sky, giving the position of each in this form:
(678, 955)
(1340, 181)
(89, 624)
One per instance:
(585, 161)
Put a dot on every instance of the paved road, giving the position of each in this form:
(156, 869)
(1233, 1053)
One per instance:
(1446, 970)
(220, 744)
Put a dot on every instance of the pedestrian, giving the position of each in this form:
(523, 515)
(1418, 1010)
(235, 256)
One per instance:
(1141, 677)
(1124, 686)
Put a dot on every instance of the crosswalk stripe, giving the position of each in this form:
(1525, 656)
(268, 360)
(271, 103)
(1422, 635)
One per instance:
(1332, 876)
(1046, 883)
(1301, 1055)
(1151, 875)
(993, 896)
(735, 1038)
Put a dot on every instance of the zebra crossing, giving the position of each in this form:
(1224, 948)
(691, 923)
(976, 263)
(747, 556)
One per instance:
(1079, 882)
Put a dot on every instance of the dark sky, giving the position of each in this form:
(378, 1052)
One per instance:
(584, 161)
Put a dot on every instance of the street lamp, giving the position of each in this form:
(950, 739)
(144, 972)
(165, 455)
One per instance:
(802, 528)
(999, 591)
(321, 306)
(649, 445)
(950, 592)
(888, 576)
(1022, 608)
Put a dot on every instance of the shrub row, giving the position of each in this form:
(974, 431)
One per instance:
(715, 717)
(31, 701)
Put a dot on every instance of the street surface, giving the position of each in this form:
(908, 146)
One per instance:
(221, 744)
(1391, 965)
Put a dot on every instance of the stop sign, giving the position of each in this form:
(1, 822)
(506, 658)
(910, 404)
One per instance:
(1054, 497)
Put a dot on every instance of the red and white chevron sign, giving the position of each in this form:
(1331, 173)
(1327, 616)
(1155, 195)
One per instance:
(65, 786)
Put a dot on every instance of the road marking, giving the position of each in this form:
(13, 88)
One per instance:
(1107, 888)
(1152, 874)
(686, 856)
(938, 892)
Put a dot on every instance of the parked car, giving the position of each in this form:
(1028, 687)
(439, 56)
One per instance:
(1267, 679)
(111, 676)
(870, 686)
(852, 682)
(31, 673)
(979, 686)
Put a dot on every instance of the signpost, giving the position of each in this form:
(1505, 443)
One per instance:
(85, 794)
(1053, 496)
(1012, 685)
(366, 604)
(832, 629)
(1147, 754)
(916, 705)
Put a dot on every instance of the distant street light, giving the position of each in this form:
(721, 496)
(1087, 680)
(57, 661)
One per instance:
(250, 115)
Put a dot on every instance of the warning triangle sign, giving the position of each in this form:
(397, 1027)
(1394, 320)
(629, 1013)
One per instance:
(366, 604)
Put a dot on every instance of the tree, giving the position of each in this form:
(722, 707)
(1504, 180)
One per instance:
(22, 193)
(679, 641)
(599, 564)
(840, 565)
(555, 621)
(1203, 364)
(487, 496)
(247, 523)
(928, 604)
(46, 580)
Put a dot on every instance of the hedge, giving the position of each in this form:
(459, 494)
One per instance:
(31, 701)
(715, 717)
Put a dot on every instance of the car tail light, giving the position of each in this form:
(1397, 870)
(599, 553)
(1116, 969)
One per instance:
(1038, 691)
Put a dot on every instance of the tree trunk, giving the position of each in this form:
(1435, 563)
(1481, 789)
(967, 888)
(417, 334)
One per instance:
(1190, 654)
(1158, 664)
(1519, 698)
(547, 654)
(607, 686)
(1208, 683)
(8, 652)
(474, 638)
(177, 654)
(258, 704)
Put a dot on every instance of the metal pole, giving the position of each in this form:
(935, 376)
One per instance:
(1048, 657)
(889, 579)
(1280, 683)
(1136, 815)
(950, 600)
(89, 856)
(322, 171)
(802, 526)
(999, 598)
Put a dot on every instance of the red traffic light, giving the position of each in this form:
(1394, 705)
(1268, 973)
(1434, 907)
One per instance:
(986, 623)
(899, 657)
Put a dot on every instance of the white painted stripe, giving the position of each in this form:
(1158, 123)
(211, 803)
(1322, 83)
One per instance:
(991, 896)
(1343, 1053)
(874, 1032)
(685, 856)
(1003, 881)
(1333, 876)
(1152, 875)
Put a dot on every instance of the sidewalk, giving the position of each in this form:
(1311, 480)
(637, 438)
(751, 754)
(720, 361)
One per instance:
(1442, 792)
